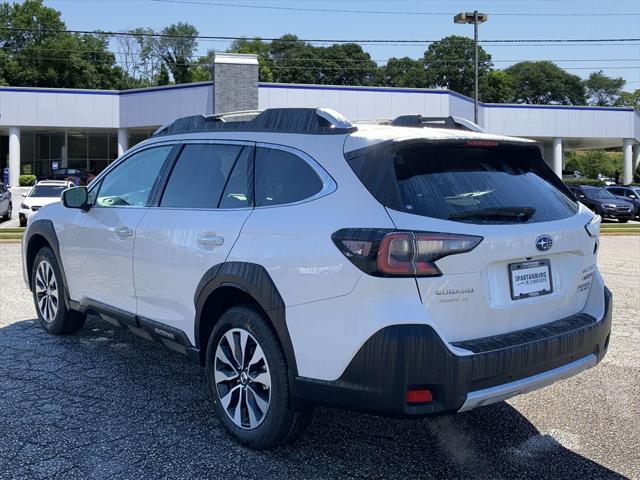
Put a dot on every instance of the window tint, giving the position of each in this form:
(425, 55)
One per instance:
(200, 175)
(130, 183)
(282, 178)
(502, 184)
(236, 194)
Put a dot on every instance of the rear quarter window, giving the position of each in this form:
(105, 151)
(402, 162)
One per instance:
(283, 178)
(501, 184)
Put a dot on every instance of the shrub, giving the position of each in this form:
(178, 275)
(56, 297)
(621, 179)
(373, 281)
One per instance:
(26, 180)
(583, 181)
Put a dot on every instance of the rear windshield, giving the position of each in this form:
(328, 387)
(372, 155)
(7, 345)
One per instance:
(497, 184)
(47, 190)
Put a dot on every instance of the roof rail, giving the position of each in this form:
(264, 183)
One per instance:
(278, 120)
(455, 123)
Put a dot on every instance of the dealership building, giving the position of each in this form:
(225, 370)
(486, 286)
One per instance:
(45, 128)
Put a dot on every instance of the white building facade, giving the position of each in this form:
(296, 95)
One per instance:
(42, 128)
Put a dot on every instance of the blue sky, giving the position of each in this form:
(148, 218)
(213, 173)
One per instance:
(508, 19)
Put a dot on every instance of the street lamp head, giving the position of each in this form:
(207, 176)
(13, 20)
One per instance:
(469, 17)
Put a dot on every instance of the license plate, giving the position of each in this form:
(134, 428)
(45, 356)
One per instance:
(530, 279)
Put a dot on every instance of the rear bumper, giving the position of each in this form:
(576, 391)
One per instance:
(403, 357)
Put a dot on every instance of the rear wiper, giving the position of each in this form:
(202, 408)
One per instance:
(519, 214)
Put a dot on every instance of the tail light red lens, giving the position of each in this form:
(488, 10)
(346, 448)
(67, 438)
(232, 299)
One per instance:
(398, 253)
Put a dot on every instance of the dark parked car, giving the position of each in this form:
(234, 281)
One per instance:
(63, 173)
(604, 203)
(630, 194)
(5, 202)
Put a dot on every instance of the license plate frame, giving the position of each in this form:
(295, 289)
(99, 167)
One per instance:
(530, 264)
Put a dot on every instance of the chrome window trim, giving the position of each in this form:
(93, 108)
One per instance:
(329, 185)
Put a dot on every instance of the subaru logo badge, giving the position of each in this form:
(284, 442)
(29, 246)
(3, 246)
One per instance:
(544, 242)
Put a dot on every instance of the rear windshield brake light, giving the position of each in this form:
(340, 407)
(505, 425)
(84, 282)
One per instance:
(481, 143)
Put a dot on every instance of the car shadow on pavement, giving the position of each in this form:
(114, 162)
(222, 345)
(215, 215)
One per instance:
(106, 404)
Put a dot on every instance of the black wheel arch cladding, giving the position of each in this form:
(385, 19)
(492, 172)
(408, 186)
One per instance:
(44, 229)
(255, 281)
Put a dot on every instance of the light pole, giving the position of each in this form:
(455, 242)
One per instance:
(476, 18)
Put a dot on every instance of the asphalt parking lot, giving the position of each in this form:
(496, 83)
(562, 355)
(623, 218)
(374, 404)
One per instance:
(106, 404)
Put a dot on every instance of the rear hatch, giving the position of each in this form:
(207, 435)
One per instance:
(535, 261)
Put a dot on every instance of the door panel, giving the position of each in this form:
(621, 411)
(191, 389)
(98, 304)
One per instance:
(97, 245)
(174, 248)
(188, 233)
(97, 251)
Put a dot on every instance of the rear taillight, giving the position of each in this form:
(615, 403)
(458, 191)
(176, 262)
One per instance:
(382, 252)
(593, 226)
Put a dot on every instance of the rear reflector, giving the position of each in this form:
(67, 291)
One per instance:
(419, 396)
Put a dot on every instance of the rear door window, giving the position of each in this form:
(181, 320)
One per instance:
(200, 175)
(503, 184)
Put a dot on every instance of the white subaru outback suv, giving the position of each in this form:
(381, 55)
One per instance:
(303, 260)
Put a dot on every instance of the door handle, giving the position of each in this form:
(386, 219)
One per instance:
(123, 231)
(211, 240)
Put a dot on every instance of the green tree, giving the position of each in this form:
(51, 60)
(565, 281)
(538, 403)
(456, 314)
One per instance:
(496, 87)
(402, 72)
(36, 51)
(177, 48)
(629, 99)
(140, 57)
(293, 60)
(544, 82)
(260, 48)
(603, 91)
(450, 63)
(163, 76)
(344, 64)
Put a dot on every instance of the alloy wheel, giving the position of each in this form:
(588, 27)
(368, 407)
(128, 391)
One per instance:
(242, 378)
(46, 288)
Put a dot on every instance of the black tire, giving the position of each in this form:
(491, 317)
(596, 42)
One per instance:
(280, 424)
(64, 321)
(623, 220)
(23, 222)
(7, 215)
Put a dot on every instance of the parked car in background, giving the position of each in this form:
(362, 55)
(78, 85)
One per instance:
(604, 203)
(43, 193)
(83, 176)
(6, 207)
(572, 174)
(305, 260)
(628, 193)
(607, 181)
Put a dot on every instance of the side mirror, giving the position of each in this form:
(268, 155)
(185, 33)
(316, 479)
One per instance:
(632, 196)
(76, 197)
